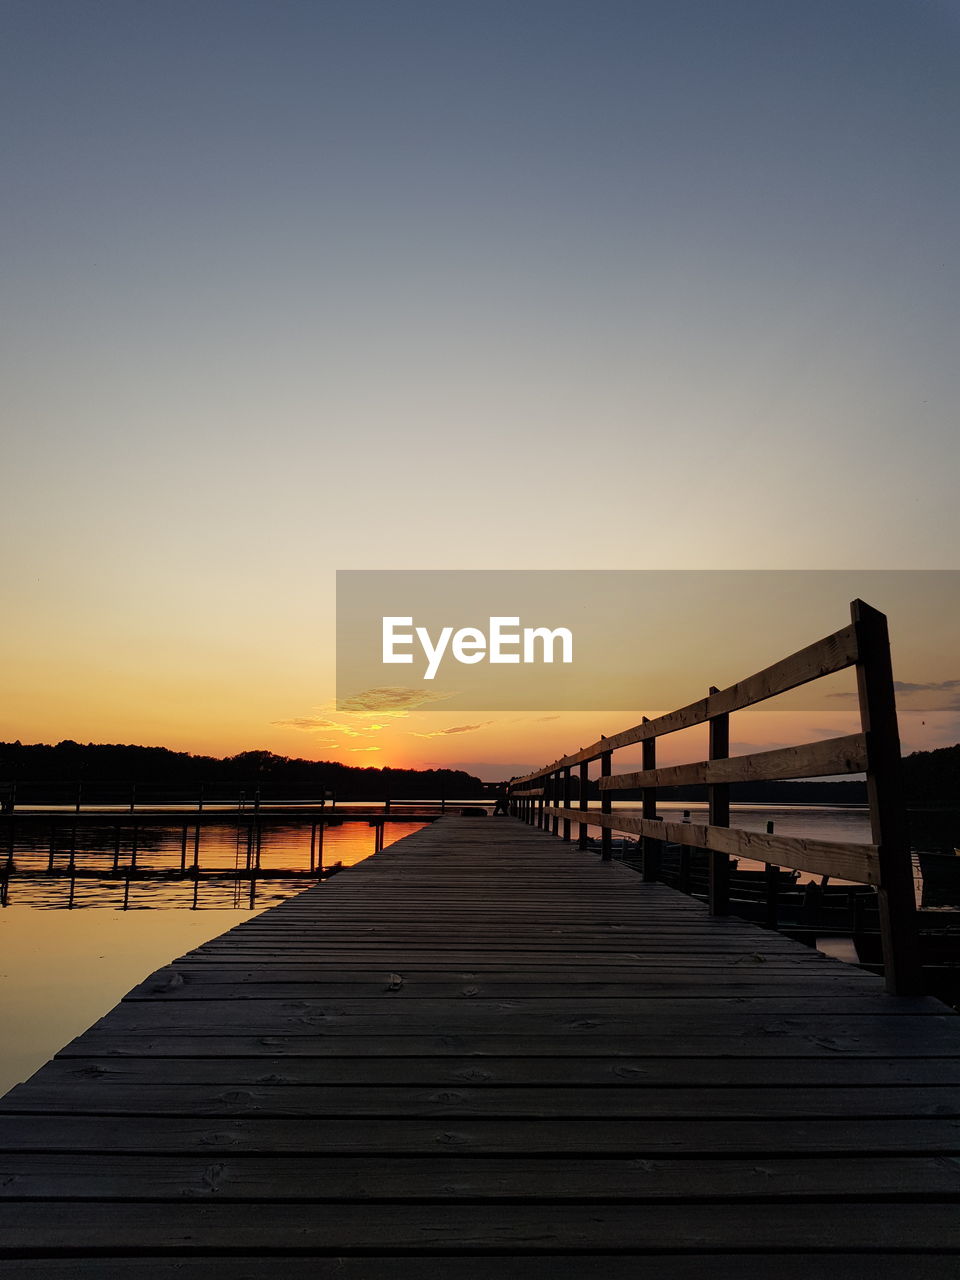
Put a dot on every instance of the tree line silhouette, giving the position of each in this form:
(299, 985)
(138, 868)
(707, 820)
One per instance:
(102, 769)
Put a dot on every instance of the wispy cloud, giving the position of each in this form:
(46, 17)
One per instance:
(310, 724)
(364, 748)
(366, 712)
(906, 688)
(457, 728)
(390, 700)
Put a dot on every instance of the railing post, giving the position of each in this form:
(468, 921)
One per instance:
(683, 884)
(606, 806)
(718, 797)
(651, 847)
(555, 800)
(567, 800)
(584, 801)
(771, 880)
(902, 968)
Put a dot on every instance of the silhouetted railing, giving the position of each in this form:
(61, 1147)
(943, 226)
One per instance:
(875, 751)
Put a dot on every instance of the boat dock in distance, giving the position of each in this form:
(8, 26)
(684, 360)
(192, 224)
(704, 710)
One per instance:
(484, 1052)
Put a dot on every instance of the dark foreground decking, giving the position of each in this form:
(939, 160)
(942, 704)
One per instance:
(484, 1054)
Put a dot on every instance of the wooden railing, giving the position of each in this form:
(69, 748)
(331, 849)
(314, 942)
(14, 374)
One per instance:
(545, 796)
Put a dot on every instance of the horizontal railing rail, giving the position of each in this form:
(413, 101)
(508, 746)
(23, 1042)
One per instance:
(545, 796)
(833, 653)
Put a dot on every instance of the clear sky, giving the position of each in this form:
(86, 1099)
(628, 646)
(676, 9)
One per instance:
(289, 287)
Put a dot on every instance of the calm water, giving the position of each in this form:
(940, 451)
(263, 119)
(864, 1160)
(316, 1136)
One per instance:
(61, 970)
(107, 859)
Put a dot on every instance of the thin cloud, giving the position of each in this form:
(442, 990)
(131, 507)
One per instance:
(366, 712)
(312, 724)
(908, 687)
(390, 700)
(933, 686)
(364, 748)
(457, 728)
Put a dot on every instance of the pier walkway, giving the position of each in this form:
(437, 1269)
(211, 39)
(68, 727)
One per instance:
(484, 1053)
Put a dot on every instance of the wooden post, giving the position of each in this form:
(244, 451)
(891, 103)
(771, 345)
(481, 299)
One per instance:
(718, 797)
(555, 800)
(902, 969)
(313, 845)
(584, 803)
(684, 882)
(183, 849)
(651, 848)
(567, 800)
(771, 880)
(606, 806)
(319, 866)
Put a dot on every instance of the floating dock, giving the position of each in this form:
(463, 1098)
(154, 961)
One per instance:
(484, 1053)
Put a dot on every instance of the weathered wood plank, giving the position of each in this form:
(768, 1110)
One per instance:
(702, 1266)
(414, 1136)
(355, 1178)
(470, 1228)
(102, 1096)
(751, 1072)
(824, 857)
(825, 657)
(811, 760)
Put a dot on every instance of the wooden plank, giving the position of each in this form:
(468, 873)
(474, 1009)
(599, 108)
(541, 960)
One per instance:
(854, 862)
(479, 1017)
(833, 653)
(754, 1072)
(640, 1139)
(628, 1266)
(784, 1038)
(470, 1229)
(313, 1179)
(104, 1096)
(811, 760)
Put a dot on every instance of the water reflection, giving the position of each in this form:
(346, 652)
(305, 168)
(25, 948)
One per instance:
(132, 864)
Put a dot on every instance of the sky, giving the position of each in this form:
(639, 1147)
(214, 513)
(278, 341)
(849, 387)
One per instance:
(296, 287)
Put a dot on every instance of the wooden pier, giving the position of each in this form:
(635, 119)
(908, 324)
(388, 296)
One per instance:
(485, 1053)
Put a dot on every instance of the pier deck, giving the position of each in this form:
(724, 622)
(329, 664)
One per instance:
(483, 1053)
